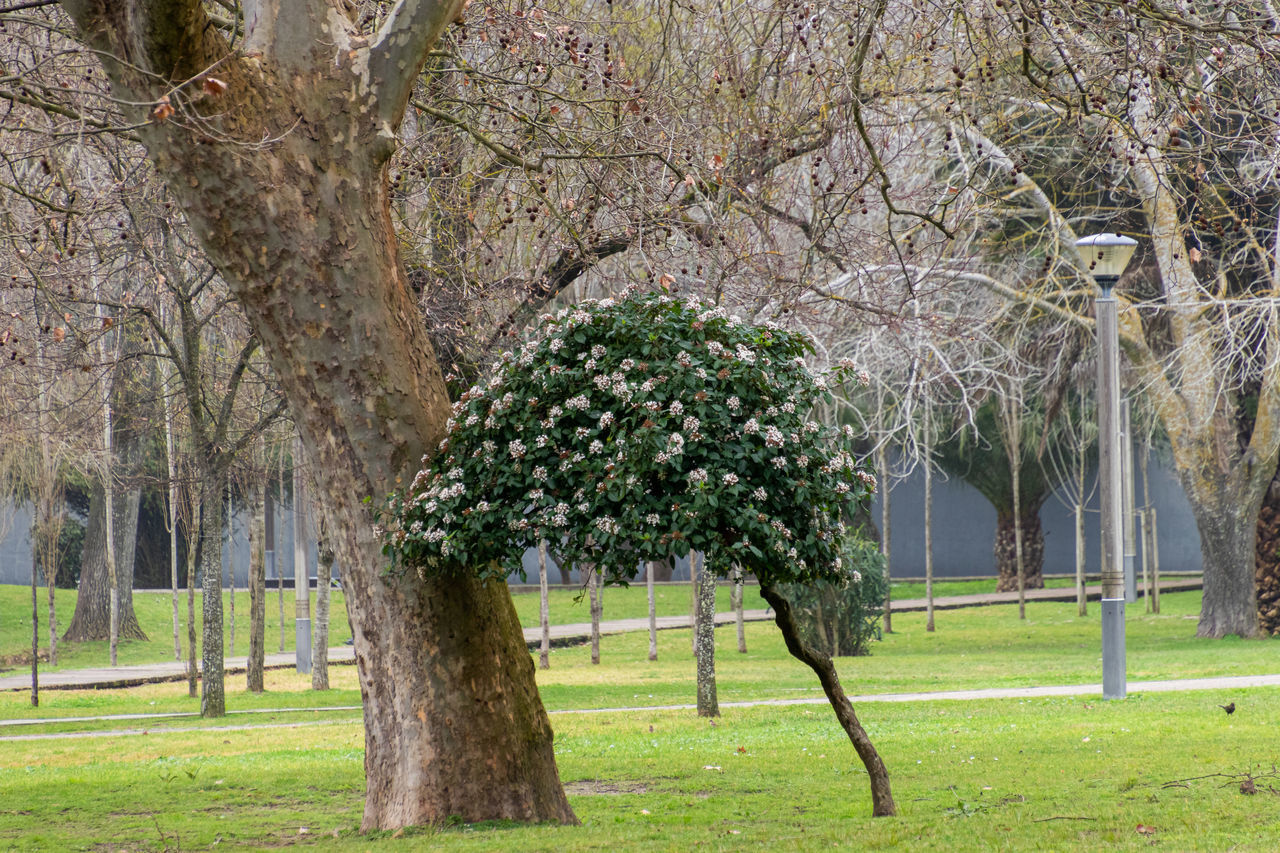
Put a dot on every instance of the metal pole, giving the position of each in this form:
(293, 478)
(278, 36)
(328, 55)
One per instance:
(1130, 535)
(1109, 473)
(301, 577)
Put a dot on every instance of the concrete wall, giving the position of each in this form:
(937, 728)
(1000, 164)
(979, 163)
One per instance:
(964, 526)
(15, 550)
(963, 535)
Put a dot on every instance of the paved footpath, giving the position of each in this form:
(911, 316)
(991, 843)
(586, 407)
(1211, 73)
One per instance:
(127, 676)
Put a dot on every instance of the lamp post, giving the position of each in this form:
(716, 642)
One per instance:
(1107, 255)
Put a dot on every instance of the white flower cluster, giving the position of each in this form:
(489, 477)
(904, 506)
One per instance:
(675, 447)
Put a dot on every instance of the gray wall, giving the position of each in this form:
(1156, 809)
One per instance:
(15, 550)
(964, 526)
(963, 535)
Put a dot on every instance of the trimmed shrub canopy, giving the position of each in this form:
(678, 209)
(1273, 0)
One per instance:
(637, 429)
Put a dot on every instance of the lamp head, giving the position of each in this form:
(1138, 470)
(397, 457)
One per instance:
(1107, 256)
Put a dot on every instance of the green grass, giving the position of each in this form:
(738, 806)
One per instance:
(154, 612)
(1036, 774)
(155, 616)
(1045, 774)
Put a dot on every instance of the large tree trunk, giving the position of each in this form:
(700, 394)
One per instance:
(1006, 550)
(290, 197)
(92, 618)
(1267, 562)
(1227, 537)
(1226, 497)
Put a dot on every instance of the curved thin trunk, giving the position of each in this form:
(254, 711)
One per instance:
(882, 804)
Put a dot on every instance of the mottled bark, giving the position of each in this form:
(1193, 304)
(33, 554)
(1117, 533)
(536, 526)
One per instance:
(1226, 506)
(1229, 601)
(290, 196)
(882, 804)
(320, 647)
(92, 617)
(1267, 560)
(1006, 551)
(213, 701)
(704, 630)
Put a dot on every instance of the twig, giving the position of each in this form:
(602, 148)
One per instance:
(1062, 817)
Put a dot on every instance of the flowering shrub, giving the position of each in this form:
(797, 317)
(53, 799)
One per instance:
(636, 429)
(841, 618)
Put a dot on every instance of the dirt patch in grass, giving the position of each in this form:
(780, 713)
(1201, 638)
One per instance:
(599, 786)
(21, 659)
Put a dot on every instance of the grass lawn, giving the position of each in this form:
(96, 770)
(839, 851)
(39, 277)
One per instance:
(1042, 774)
(155, 615)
